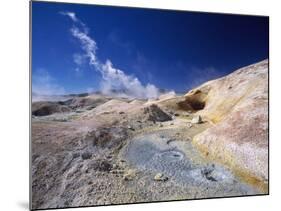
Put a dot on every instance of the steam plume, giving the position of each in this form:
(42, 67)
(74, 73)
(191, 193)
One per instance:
(113, 79)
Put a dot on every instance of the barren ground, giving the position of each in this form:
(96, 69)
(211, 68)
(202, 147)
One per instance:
(123, 151)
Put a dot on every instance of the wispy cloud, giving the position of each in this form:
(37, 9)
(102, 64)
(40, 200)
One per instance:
(44, 84)
(78, 59)
(71, 15)
(114, 79)
(75, 20)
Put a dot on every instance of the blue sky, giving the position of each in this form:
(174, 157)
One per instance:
(151, 48)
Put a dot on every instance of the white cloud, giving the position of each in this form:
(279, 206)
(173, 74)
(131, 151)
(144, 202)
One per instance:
(78, 59)
(114, 79)
(75, 20)
(44, 84)
(87, 44)
(71, 15)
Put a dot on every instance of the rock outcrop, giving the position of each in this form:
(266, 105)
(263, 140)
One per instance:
(156, 114)
(47, 108)
(237, 105)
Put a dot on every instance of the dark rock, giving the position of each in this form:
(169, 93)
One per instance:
(156, 114)
(86, 155)
(48, 108)
(207, 173)
(109, 157)
(75, 155)
(102, 165)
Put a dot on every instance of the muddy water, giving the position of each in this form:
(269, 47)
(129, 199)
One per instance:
(162, 152)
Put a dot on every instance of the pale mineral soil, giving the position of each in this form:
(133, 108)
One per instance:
(79, 161)
(98, 150)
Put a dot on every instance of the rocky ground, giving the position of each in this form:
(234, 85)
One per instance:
(96, 150)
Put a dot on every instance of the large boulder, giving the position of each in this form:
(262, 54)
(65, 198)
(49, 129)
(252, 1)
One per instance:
(237, 105)
(156, 114)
